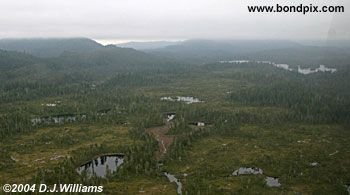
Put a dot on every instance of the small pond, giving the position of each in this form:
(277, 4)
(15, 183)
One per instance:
(305, 71)
(170, 117)
(187, 100)
(247, 171)
(172, 178)
(272, 182)
(322, 68)
(57, 119)
(348, 188)
(101, 165)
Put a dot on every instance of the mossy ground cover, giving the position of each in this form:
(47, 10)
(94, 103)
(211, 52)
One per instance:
(256, 134)
(285, 152)
(48, 146)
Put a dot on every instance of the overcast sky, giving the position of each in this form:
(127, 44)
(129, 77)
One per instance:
(118, 20)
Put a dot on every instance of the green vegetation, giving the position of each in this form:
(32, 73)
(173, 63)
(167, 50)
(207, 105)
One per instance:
(255, 115)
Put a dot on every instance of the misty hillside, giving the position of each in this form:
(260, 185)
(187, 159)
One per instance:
(86, 57)
(203, 51)
(12, 60)
(148, 45)
(308, 56)
(109, 58)
(207, 51)
(102, 62)
(52, 47)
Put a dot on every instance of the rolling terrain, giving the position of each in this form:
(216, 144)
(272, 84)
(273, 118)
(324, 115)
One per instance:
(59, 111)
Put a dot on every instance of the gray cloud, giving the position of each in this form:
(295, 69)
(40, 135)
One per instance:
(164, 19)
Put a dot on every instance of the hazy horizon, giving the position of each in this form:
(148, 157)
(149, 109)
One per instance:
(122, 41)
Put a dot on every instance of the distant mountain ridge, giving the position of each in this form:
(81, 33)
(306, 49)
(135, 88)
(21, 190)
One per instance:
(203, 51)
(35, 59)
(148, 45)
(49, 47)
(95, 60)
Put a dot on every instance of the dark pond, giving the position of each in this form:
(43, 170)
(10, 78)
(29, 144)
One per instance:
(100, 166)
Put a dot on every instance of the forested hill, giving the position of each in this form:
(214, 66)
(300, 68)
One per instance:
(204, 51)
(11, 60)
(80, 56)
(307, 56)
(148, 45)
(100, 63)
(52, 47)
(287, 52)
(109, 55)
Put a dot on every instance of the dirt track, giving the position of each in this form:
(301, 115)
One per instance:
(164, 141)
